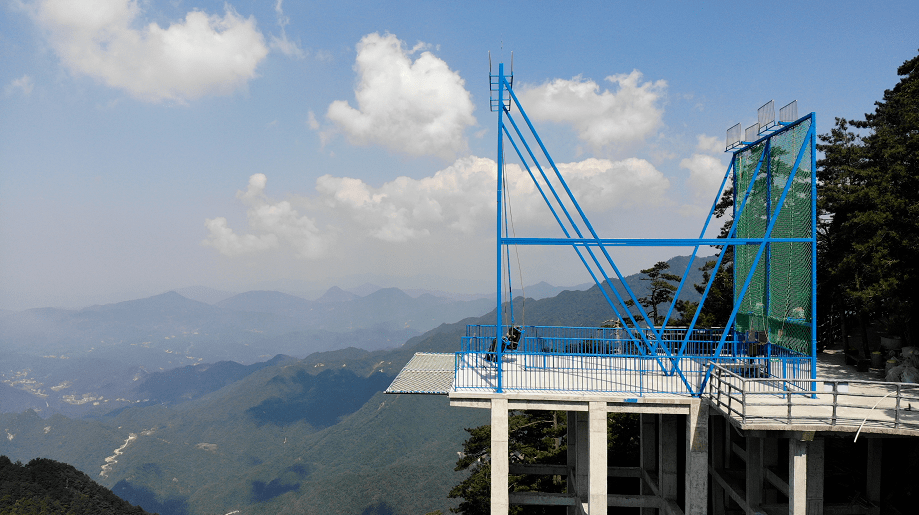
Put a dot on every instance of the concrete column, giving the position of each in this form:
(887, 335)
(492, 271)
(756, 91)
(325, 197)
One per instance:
(667, 458)
(770, 462)
(754, 486)
(816, 454)
(648, 443)
(717, 423)
(582, 475)
(572, 458)
(499, 457)
(598, 473)
(697, 459)
(873, 486)
(797, 477)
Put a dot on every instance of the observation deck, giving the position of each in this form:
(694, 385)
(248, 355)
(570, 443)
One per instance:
(769, 390)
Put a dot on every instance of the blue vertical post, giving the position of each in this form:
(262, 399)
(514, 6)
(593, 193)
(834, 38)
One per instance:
(499, 361)
(813, 146)
(768, 256)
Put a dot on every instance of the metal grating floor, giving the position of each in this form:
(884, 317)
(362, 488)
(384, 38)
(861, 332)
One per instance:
(426, 373)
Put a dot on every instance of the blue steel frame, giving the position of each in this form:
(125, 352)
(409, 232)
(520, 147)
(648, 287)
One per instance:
(590, 248)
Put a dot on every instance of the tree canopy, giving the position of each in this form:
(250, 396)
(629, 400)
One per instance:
(868, 200)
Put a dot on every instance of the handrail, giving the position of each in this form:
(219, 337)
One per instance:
(840, 402)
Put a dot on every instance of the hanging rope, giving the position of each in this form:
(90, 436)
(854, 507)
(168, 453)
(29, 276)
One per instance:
(509, 217)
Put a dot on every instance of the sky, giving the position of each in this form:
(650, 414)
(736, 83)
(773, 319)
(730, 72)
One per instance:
(154, 145)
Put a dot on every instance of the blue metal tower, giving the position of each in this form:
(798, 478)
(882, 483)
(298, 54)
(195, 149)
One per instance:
(771, 329)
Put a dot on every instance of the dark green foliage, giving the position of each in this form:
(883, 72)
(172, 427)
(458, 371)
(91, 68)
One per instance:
(869, 207)
(720, 301)
(660, 290)
(319, 400)
(191, 382)
(534, 437)
(144, 497)
(46, 486)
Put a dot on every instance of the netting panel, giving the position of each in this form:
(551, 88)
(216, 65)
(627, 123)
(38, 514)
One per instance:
(778, 300)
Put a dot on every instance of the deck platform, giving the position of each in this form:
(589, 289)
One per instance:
(839, 400)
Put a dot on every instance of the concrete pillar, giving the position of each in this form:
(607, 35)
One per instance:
(598, 472)
(873, 486)
(648, 449)
(667, 457)
(797, 477)
(582, 473)
(572, 459)
(499, 457)
(754, 486)
(697, 459)
(816, 454)
(718, 463)
(770, 462)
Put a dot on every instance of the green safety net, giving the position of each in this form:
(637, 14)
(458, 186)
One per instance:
(778, 300)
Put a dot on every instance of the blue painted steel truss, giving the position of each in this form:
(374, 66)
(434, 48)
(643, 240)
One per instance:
(645, 343)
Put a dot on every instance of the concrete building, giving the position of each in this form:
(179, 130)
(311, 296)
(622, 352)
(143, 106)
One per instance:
(747, 445)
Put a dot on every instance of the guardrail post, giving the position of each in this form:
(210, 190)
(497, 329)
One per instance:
(835, 400)
(743, 401)
(896, 423)
(788, 396)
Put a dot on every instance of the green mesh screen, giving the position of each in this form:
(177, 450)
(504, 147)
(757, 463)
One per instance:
(778, 300)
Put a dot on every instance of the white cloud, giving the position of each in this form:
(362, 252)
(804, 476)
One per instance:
(416, 107)
(282, 44)
(311, 121)
(202, 55)
(629, 114)
(23, 84)
(705, 174)
(603, 185)
(273, 222)
(460, 197)
(709, 144)
(453, 205)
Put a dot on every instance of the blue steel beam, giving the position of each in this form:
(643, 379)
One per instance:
(567, 234)
(651, 345)
(571, 221)
(731, 231)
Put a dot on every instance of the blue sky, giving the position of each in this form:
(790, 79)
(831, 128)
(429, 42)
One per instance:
(155, 145)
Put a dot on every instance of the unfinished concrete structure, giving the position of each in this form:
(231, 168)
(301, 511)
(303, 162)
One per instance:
(739, 448)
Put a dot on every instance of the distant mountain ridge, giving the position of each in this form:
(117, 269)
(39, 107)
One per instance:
(311, 436)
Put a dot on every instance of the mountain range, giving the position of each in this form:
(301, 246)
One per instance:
(284, 435)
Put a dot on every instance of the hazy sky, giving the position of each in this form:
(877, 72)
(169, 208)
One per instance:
(151, 145)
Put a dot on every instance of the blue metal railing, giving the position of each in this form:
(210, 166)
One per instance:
(606, 359)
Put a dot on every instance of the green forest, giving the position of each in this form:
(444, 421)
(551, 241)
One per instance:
(46, 487)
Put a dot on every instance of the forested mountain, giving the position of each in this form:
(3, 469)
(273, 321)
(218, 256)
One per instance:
(45, 486)
(286, 435)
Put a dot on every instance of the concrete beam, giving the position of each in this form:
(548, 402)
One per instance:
(777, 481)
(732, 484)
(500, 503)
(542, 499)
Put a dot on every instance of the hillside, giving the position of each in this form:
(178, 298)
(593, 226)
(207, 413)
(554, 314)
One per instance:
(46, 486)
(314, 435)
